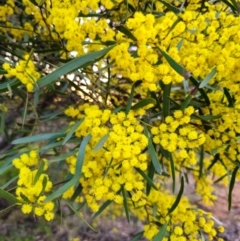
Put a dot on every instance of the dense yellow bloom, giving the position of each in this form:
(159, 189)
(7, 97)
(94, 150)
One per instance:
(32, 189)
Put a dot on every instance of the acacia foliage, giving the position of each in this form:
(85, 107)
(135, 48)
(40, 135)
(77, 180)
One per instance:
(159, 88)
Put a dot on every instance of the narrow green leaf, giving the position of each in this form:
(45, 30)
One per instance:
(6, 195)
(229, 97)
(72, 65)
(7, 210)
(125, 204)
(143, 103)
(102, 208)
(81, 154)
(150, 176)
(202, 236)
(44, 185)
(24, 197)
(25, 111)
(186, 102)
(234, 3)
(39, 171)
(36, 97)
(101, 142)
(177, 67)
(5, 185)
(2, 122)
(170, 7)
(71, 132)
(152, 152)
(208, 78)
(172, 172)
(178, 198)
(156, 98)
(234, 10)
(137, 236)
(130, 100)
(40, 137)
(127, 32)
(77, 192)
(62, 189)
(62, 157)
(231, 186)
(77, 213)
(180, 43)
(201, 157)
(160, 235)
(147, 178)
(202, 92)
(166, 99)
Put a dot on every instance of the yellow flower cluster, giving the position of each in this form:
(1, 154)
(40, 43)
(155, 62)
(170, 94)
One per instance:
(113, 167)
(176, 133)
(116, 161)
(184, 223)
(32, 186)
(24, 71)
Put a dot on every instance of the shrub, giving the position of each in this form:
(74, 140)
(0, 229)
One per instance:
(148, 92)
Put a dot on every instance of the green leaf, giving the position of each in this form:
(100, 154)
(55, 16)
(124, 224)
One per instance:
(130, 100)
(9, 182)
(178, 198)
(202, 92)
(137, 236)
(40, 137)
(147, 178)
(143, 103)
(201, 157)
(39, 171)
(73, 129)
(208, 117)
(7, 210)
(127, 32)
(6, 195)
(72, 65)
(125, 204)
(160, 235)
(229, 98)
(170, 7)
(186, 102)
(44, 185)
(156, 98)
(180, 43)
(62, 189)
(2, 126)
(152, 152)
(62, 157)
(208, 78)
(233, 8)
(77, 192)
(36, 97)
(202, 236)
(77, 213)
(173, 172)
(81, 154)
(24, 197)
(101, 142)
(234, 3)
(177, 67)
(102, 208)
(231, 186)
(166, 99)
